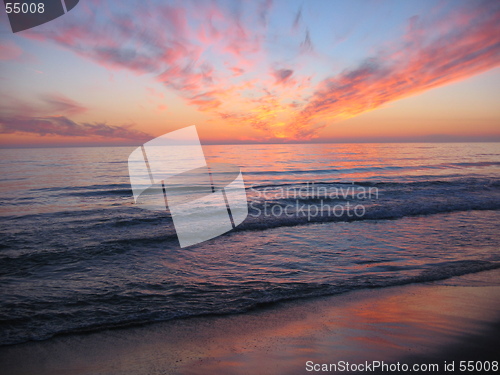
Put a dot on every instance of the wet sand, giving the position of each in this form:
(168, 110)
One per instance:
(452, 320)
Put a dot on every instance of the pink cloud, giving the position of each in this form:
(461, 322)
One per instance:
(62, 104)
(52, 104)
(63, 126)
(282, 75)
(151, 91)
(9, 50)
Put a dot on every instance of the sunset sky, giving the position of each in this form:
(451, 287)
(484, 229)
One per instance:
(121, 73)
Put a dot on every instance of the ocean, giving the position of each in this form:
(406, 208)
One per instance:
(77, 255)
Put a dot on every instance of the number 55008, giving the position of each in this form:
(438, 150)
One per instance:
(25, 7)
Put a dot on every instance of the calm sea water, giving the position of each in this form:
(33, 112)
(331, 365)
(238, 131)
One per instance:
(76, 254)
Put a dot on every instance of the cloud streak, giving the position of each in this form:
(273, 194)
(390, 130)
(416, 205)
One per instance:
(63, 126)
(61, 104)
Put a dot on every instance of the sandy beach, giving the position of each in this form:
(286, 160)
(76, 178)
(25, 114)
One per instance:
(432, 323)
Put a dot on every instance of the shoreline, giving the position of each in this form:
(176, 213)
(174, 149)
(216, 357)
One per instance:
(428, 322)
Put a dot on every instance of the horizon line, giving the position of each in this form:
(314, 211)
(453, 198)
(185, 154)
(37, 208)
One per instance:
(254, 143)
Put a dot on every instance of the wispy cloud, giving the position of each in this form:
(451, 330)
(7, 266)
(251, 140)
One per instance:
(297, 20)
(49, 104)
(63, 126)
(61, 104)
(282, 75)
(9, 50)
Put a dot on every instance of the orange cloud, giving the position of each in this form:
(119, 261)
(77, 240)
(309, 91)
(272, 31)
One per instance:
(468, 44)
